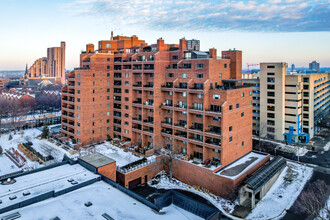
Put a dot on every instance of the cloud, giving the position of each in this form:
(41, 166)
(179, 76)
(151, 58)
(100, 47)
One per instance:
(266, 15)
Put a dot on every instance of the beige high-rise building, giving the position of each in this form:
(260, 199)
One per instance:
(288, 106)
(51, 67)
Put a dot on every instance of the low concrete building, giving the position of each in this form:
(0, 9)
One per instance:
(260, 182)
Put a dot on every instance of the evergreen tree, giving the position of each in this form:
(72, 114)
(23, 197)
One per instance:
(10, 137)
(45, 131)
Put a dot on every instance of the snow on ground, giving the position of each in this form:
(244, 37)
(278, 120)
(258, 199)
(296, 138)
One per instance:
(327, 146)
(297, 150)
(42, 182)
(242, 165)
(283, 193)
(105, 199)
(7, 166)
(33, 117)
(42, 146)
(324, 212)
(163, 182)
(121, 157)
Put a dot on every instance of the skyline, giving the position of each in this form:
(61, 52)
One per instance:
(37, 25)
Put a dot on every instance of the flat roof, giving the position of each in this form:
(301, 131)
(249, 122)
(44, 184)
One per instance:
(242, 165)
(97, 160)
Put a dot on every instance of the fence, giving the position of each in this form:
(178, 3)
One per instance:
(186, 203)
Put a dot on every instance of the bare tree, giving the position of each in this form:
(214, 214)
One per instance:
(313, 199)
(167, 150)
(16, 113)
(3, 110)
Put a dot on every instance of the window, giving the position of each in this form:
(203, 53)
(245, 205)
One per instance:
(78, 108)
(78, 124)
(230, 107)
(230, 139)
(199, 95)
(126, 115)
(271, 79)
(270, 108)
(108, 128)
(93, 74)
(271, 101)
(199, 65)
(271, 94)
(216, 97)
(220, 75)
(126, 83)
(184, 75)
(93, 91)
(108, 97)
(126, 131)
(108, 105)
(242, 143)
(94, 83)
(78, 99)
(270, 74)
(242, 114)
(242, 94)
(271, 67)
(126, 107)
(199, 75)
(170, 75)
(78, 83)
(126, 75)
(270, 86)
(78, 116)
(126, 123)
(199, 116)
(126, 91)
(230, 128)
(108, 59)
(126, 99)
(237, 105)
(108, 113)
(174, 57)
(78, 132)
(107, 45)
(270, 122)
(184, 94)
(270, 115)
(225, 65)
(170, 93)
(108, 120)
(108, 74)
(108, 67)
(78, 75)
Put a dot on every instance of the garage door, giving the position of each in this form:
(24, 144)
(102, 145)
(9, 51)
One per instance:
(134, 183)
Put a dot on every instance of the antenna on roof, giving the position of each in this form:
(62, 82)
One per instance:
(111, 38)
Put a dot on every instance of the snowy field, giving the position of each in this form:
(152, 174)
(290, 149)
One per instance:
(283, 193)
(105, 199)
(42, 146)
(7, 166)
(42, 182)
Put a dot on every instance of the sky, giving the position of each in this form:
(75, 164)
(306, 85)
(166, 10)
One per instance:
(292, 31)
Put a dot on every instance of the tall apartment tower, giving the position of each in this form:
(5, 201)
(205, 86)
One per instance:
(314, 67)
(193, 44)
(150, 96)
(56, 61)
(288, 106)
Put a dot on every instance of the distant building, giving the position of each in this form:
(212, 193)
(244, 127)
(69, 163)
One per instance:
(52, 66)
(293, 68)
(288, 106)
(193, 44)
(314, 67)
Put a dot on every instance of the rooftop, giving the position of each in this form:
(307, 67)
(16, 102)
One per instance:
(97, 160)
(241, 165)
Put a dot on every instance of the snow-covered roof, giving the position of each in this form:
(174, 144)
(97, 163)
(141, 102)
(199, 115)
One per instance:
(97, 160)
(242, 165)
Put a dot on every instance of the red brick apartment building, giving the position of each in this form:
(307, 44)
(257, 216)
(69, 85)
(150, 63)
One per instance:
(153, 95)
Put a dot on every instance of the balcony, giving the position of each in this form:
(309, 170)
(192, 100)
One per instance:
(148, 131)
(166, 124)
(180, 107)
(213, 133)
(212, 143)
(137, 120)
(149, 122)
(195, 140)
(196, 129)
